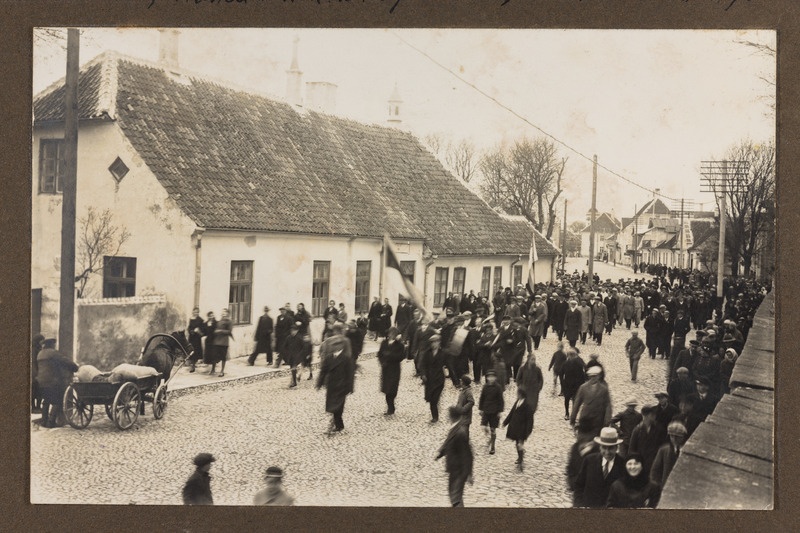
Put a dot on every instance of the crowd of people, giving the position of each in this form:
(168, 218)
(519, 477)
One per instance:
(617, 460)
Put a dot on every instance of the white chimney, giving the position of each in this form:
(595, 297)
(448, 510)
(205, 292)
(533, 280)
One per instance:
(294, 78)
(321, 96)
(168, 47)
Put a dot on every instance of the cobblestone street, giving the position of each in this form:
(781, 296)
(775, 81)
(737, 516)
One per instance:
(377, 460)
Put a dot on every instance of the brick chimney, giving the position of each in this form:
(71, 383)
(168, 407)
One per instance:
(168, 47)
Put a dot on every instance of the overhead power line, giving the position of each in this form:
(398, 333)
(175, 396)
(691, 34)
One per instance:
(527, 121)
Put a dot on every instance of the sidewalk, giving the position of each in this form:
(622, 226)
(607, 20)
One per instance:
(237, 370)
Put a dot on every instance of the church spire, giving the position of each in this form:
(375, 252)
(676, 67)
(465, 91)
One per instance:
(395, 117)
(294, 77)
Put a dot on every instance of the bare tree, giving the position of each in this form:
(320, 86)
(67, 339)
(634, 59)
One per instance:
(99, 237)
(461, 158)
(749, 199)
(770, 78)
(525, 180)
(434, 143)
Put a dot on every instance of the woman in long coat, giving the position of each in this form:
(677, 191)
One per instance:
(337, 373)
(573, 323)
(390, 354)
(628, 308)
(386, 318)
(374, 317)
(195, 328)
(222, 333)
(520, 423)
(209, 326)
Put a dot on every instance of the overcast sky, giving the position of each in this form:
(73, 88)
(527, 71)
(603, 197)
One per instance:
(652, 104)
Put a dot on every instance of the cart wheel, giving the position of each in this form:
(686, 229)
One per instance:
(160, 401)
(77, 413)
(126, 405)
(109, 412)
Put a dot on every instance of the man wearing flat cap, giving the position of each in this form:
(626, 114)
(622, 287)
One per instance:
(599, 470)
(668, 454)
(197, 490)
(593, 402)
(54, 376)
(273, 494)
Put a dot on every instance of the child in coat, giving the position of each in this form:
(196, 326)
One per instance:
(490, 406)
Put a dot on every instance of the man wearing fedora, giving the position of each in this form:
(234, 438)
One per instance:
(599, 470)
(273, 493)
(197, 490)
(263, 338)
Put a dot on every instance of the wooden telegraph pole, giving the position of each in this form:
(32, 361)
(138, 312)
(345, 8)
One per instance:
(718, 176)
(593, 214)
(66, 321)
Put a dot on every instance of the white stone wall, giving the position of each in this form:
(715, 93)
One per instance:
(283, 272)
(160, 234)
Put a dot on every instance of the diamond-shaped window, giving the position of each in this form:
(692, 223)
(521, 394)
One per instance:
(118, 169)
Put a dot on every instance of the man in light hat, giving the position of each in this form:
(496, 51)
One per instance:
(538, 319)
(273, 494)
(593, 402)
(197, 490)
(668, 454)
(599, 470)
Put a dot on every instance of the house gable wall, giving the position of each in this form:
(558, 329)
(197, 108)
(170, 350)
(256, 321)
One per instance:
(160, 234)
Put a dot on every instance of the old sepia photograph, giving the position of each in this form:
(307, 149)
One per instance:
(498, 268)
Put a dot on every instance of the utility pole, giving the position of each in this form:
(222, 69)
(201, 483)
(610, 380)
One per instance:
(66, 315)
(723, 214)
(680, 242)
(564, 240)
(717, 176)
(633, 235)
(591, 226)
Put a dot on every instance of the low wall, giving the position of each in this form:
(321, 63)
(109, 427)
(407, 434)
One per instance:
(111, 331)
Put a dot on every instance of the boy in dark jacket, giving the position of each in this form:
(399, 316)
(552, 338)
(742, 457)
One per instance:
(490, 406)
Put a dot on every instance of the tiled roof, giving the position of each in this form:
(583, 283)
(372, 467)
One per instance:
(670, 243)
(604, 223)
(656, 207)
(237, 160)
(701, 231)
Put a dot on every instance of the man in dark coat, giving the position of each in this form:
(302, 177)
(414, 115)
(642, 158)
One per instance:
(283, 326)
(355, 335)
(263, 338)
(599, 471)
(390, 354)
(668, 454)
(337, 374)
(560, 308)
(432, 361)
(303, 317)
(510, 340)
(593, 402)
(374, 317)
(490, 406)
(386, 318)
(197, 490)
(459, 457)
(653, 325)
(573, 375)
(647, 437)
(403, 316)
(612, 303)
(293, 351)
(54, 376)
(531, 379)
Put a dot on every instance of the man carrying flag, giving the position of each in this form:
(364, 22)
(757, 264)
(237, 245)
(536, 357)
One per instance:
(414, 294)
